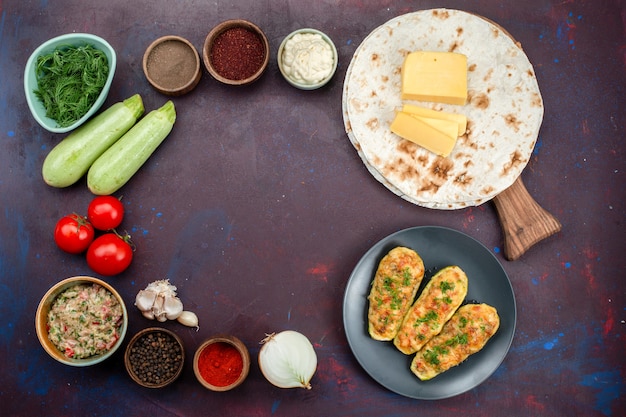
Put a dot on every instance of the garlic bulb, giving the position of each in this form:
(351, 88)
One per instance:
(159, 301)
(189, 318)
(288, 360)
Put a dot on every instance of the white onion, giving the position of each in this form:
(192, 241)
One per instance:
(288, 360)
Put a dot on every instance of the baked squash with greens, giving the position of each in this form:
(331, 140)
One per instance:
(438, 301)
(395, 284)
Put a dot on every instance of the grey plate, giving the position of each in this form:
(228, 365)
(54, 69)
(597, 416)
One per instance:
(488, 283)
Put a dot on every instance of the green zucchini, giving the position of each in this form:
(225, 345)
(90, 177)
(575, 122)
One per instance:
(123, 159)
(70, 159)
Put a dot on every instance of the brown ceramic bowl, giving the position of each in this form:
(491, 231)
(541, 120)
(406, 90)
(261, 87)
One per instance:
(148, 342)
(233, 60)
(41, 321)
(231, 342)
(172, 65)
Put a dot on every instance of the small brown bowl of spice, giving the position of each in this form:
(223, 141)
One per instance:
(172, 65)
(154, 357)
(221, 363)
(236, 52)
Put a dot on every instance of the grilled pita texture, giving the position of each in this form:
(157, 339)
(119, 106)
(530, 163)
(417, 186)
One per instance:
(504, 109)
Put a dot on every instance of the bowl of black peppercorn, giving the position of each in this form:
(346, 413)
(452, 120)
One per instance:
(154, 357)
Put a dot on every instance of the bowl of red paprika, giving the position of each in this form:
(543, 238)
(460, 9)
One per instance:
(236, 52)
(221, 363)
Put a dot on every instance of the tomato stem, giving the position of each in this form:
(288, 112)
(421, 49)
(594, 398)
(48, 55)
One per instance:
(126, 238)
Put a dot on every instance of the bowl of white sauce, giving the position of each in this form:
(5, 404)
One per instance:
(307, 58)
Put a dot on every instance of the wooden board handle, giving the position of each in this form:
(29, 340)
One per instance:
(524, 222)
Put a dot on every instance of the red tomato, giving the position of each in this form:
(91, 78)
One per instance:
(73, 233)
(105, 212)
(110, 254)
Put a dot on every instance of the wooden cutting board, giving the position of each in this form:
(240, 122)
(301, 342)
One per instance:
(524, 222)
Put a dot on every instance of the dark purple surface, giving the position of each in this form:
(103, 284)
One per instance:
(258, 208)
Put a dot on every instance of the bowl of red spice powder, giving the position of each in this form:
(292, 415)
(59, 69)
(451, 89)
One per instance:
(221, 363)
(236, 52)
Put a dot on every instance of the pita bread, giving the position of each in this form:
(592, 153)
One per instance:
(504, 109)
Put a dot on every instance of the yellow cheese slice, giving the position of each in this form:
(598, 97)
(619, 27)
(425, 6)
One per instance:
(423, 134)
(435, 76)
(449, 128)
(460, 119)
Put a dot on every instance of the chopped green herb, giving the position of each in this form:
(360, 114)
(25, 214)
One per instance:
(432, 356)
(446, 286)
(407, 276)
(459, 339)
(430, 316)
(69, 81)
(388, 284)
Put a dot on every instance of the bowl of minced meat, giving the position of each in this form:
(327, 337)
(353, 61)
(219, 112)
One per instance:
(81, 321)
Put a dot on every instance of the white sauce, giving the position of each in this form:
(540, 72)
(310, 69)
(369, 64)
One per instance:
(307, 58)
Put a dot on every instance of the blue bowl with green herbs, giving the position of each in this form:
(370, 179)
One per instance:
(61, 103)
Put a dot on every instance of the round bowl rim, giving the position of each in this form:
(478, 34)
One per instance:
(190, 84)
(237, 344)
(286, 76)
(279, 59)
(41, 320)
(36, 107)
(217, 30)
(134, 339)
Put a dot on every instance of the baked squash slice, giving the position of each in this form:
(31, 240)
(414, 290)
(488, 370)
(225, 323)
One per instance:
(395, 284)
(466, 333)
(438, 301)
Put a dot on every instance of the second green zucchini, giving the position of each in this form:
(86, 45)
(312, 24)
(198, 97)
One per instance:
(122, 160)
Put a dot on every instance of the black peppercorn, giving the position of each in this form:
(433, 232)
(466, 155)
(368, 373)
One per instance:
(155, 358)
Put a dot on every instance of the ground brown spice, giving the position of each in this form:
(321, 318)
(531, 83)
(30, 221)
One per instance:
(237, 53)
(171, 64)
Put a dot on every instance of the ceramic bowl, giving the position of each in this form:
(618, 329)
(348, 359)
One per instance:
(169, 369)
(41, 321)
(30, 77)
(232, 342)
(172, 65)
(210, 60)
(298, 83)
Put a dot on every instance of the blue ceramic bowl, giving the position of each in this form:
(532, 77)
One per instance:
(30, 79)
